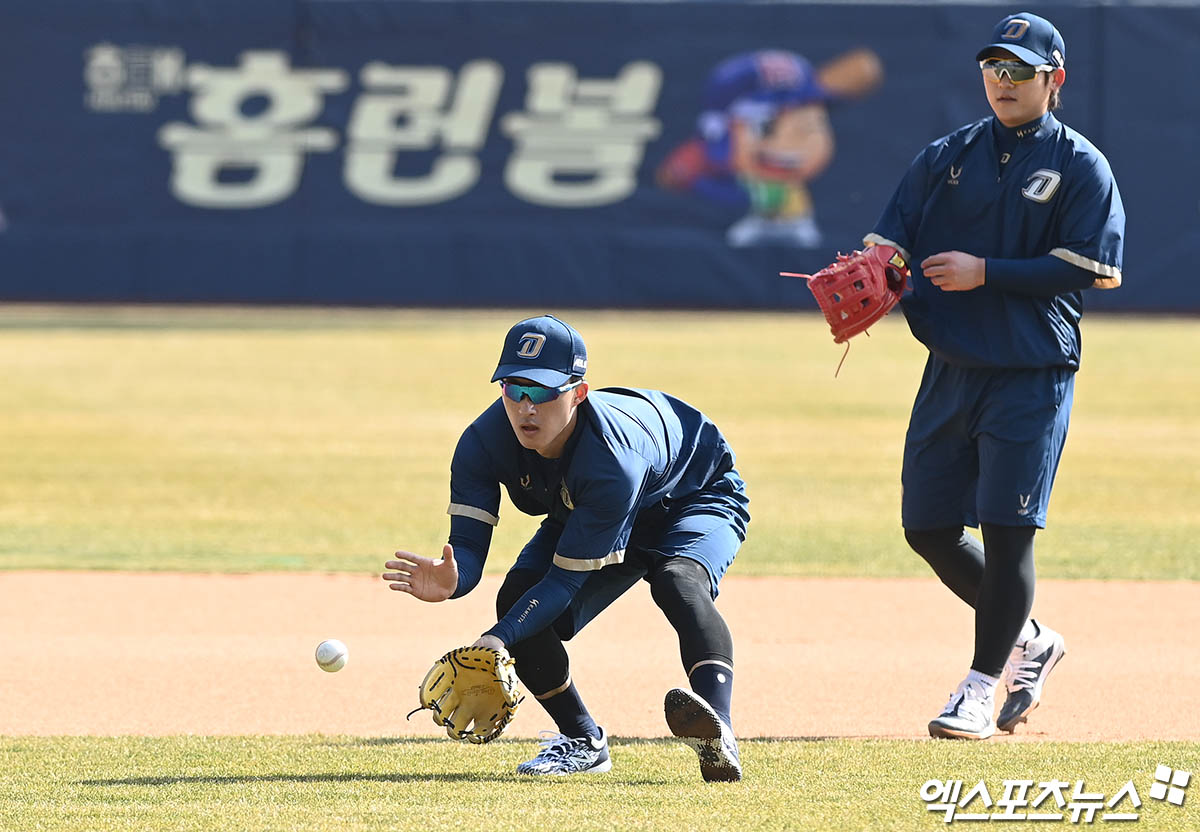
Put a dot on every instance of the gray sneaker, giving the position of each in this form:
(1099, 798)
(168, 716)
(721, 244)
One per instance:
(561, 755)
(695, 722)
(967, 716)
(1025, 676)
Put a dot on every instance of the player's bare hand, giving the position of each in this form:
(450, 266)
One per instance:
(490, 642)
(424, 578)
(954, 271)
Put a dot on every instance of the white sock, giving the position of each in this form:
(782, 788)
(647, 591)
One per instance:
(988, 683)
(1028, 633)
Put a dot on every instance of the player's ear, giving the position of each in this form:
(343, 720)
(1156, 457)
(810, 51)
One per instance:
(1057, 78)
(581, 392)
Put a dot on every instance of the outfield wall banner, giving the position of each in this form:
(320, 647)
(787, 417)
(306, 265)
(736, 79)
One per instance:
(531, 154)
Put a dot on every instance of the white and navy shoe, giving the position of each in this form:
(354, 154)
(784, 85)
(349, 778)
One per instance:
(562, 755)
(1025, 675)
(695, 722)
(967, 716)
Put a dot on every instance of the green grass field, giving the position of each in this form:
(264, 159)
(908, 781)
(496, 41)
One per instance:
(347, 783)
(240, 440)
(266, 439)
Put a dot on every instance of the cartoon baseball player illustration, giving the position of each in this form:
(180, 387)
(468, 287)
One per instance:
(635, 485)
(764, 134)
(1004, 223)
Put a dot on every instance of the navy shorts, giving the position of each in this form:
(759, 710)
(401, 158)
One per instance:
(708, 528)
(983, 445)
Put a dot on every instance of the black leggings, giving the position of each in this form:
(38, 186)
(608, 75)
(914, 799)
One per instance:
(680, 588)
(996, 577)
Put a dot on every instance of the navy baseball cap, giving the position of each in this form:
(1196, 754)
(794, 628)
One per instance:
(544, 350)
(1031, 38)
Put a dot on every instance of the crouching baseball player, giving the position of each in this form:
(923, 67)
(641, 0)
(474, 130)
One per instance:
(634, 485)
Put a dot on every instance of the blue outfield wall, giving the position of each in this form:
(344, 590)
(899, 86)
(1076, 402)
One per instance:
(497, 153)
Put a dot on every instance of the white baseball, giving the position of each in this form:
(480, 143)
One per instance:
(332, 655)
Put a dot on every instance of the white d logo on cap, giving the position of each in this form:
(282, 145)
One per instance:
(1016, 29)
(531, 345)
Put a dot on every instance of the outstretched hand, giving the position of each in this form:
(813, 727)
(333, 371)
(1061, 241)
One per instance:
(422, 577)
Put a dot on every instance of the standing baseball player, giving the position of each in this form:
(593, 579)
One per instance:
(634, 485)
(1004, 223)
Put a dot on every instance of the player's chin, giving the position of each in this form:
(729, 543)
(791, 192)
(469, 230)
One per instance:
(530, 437)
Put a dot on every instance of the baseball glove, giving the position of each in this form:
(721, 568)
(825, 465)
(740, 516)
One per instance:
(858, 289)
(472, 691)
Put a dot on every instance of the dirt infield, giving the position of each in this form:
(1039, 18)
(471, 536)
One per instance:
(107, 653)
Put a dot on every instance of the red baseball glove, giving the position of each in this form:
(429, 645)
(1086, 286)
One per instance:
(858, 289)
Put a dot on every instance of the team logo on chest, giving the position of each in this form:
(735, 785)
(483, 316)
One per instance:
(1042, 185)
(526, 481)
(955, 172)
(566, 497)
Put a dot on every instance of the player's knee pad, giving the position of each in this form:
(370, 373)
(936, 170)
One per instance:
(680, 582)
(516, 583)
(932, 544)
(681, 588)
(1010, 547)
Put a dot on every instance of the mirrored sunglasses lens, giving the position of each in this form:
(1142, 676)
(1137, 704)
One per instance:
(536, 393)
(1018, 73)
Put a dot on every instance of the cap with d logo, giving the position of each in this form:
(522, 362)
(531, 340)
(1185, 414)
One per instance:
(544, 350)
(1031, 38)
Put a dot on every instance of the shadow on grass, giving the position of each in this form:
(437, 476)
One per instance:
(242, 779)
(443, 777)
(612, 739)
(298, 778)
(741, 740)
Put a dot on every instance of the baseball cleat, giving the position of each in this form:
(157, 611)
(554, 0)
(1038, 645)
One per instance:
(562, 755)
(695, 722)
(1025, 676)
(967, 716)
